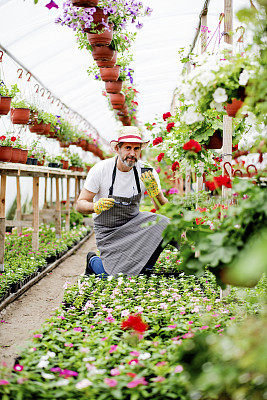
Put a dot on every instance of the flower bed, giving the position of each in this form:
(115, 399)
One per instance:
(22, 263)
(86, 351)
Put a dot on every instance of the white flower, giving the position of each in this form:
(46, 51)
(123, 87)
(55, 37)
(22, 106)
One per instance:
(42, 363)
(144, 356)
(217, 106)
(110, 277)
(83, 384)
(51, 354)
(190, 116)
(243, 78)
(206, 77)
(125, 313)
(62, 382)
(220, 95)
(89, 359)
(47, 376)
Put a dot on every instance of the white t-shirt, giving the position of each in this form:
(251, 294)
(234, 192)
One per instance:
(99, 180)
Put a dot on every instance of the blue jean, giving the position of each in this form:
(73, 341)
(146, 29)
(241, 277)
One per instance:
(97, 266)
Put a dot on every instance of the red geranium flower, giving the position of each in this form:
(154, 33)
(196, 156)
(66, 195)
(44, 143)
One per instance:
(166, 116)
(175, 166)
(157, 141)
(234, 148)
(135, 322)
(170, 126)
(192, 145)
(153, 210)
(3, 137)
(13, 138)
(210, 185)
(160, 157)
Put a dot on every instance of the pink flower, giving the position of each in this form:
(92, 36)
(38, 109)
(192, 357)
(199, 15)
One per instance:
(134, 353)
(204, 327)
(114, 372)
(78, 329)
(232, 317)
(18, 367)
(158, 379)
(133, 361)
(110, 382)
(4, 382)
(51, 5)
(68, 344)
(66, 373)
(104, 338)
(113, 348)
(172, 326)
(161, 364)
(110, 318)
(217, 326)
(178, 369)
(173, 191)
(135, 382)
(190, 322)
(38, 335)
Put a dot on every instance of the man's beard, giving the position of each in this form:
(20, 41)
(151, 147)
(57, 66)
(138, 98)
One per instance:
(128, 161)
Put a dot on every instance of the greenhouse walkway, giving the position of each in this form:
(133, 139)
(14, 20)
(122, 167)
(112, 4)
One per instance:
(26, 315)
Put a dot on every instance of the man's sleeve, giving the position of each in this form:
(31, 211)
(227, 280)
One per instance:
(92, 182)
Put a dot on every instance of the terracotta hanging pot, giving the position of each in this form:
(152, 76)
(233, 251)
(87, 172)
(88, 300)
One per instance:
(123, 112)
(103, 53)
(80, 169)
(5, 153)
(20, 115)
(216, 141)
(117, 99)
(65, 164)
(37, 128)
(101, 39)
(82, 143)
(114, 87)
(72, 168)
(23, 156)
(47, 128)
(126, 121)
(64, 145)
(110, 74)
(40, 163)
(85, 3)
(5, 103)
(232, 108)
(15, 155)
(109, 63)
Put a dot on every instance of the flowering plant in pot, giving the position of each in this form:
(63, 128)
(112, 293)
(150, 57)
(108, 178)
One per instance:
(75, 161)
(20, 112)
(6, 96)
(53, 161)
(6, 145)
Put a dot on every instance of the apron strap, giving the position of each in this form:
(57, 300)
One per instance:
(114, 176)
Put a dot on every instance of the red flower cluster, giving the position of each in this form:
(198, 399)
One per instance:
(234, 148)
(160, 156)
(3, 138)
(219, 181)
(192, 145)
(13, 138)
(157, 141)
(175, 166)
(134, 322)
(170, 126)
(153, 210)
(166, 116)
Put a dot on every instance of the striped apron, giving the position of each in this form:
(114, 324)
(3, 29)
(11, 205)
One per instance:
(126, 237)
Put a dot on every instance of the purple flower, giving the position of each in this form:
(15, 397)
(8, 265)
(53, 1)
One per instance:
(51, 5)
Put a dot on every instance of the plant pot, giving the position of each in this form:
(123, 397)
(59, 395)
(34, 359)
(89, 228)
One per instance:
(31, 161)
(117, 99)
(5, 104)
(40, 163)
(98, 18)
(23, 156)
(65, 164)
(64, 145)
(101, 39)
(80, 169)
(109, 63)
(37, 128)
(82, 143)
(103, 53)
(232, 108)
(47, 130)
(72, 168)
(88, 168)
(114, 87)
(126, 121)
(216, 141)
(15, 155)
(20, 115)
(110, 74)
(33, 117)
(53, 165)
(85, 3)
(5, 153)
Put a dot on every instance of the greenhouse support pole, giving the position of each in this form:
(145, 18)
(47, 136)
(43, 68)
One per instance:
(51, 192)
(76, 189)
(58, 210)
(68, 205)
(45, 193)
(18, 216)
(35, 203)
(227, 121)
(2, 221)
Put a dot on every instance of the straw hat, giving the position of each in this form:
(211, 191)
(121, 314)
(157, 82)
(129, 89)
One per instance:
(129, 134)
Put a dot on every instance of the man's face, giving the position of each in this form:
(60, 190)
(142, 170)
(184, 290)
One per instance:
(129, 153)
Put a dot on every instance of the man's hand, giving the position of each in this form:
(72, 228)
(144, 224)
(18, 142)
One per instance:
(103, 204)
(150, 184)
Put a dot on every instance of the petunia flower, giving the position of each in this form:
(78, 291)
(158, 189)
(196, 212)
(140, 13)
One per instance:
(52, 4)
(18, 367)
(110, 382)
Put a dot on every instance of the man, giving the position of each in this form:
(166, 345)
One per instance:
(129, 241)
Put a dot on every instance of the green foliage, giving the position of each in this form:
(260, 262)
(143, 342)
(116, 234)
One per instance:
(19, 104)
(9, 92)
(75, 218)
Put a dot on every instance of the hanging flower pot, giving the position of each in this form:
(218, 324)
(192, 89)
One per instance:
(109, 63)
(98, 18)
(126, 120)
(37, 128)
(47, 129)
(216, 141)
(72, 168)
(5, 153)
(20, 115)
(23, 156)
(104, 38)
(232, 108)
(114, 87)
(82, 143)
(110, 74)
(15, 155)
(117, 99)
(64, 145)
(103, 53)
(85, 3)
(5, 104)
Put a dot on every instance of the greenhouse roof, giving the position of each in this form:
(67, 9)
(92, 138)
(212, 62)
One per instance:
(51, 53)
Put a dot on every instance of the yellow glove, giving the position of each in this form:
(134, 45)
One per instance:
(103, 204)
(150, 183)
